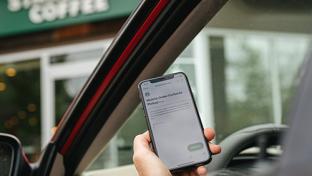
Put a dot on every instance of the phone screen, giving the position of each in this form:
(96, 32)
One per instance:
(174, 122)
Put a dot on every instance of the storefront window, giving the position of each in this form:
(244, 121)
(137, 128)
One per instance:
(65, 91)
(35, 91)
(253, 78)
(72, 69)
(20, 103)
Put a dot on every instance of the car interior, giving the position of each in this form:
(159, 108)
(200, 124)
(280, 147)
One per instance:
(253, 88)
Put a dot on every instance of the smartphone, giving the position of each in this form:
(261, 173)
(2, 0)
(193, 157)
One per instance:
(173, 120)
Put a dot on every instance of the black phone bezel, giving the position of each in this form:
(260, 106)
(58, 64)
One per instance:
(163, 78)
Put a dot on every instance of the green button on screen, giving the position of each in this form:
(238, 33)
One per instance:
(195, 146)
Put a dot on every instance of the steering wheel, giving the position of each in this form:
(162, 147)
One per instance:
(260, 136)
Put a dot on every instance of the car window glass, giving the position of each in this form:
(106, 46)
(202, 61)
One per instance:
(243, 69)
(252, 81)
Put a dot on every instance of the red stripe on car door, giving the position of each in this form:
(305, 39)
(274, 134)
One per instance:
(114, 70)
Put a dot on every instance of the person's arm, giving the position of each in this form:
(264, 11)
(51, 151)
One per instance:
(148, 164)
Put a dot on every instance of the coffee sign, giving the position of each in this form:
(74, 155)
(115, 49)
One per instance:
(21, 16)
(40, 11)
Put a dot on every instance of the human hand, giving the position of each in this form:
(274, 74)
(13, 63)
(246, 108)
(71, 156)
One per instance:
(147, 162)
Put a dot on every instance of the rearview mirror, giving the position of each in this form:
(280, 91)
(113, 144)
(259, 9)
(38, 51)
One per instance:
(12, 159)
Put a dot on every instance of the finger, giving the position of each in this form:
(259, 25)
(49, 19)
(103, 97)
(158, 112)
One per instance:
(201, 170)
(215, 149)
(209, 133)
(147, 136)
(141, 142)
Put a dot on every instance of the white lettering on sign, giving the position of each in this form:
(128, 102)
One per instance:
(51, 10)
